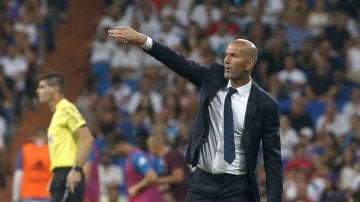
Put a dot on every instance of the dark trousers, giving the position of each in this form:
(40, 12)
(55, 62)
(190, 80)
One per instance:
(207, 187)
(58, 187)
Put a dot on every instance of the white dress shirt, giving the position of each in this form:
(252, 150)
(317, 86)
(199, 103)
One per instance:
(212, 152)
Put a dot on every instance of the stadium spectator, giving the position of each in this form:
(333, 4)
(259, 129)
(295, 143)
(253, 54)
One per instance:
(292, 79)
(352, 106)
(205, 13)
(321, 82)
(15, 67)
(332, 121)
(141, 177)
(181, 14)
(32, 174)
(91, 173)
(318, 18)
(352, 54)
(289, 138)
(114, 194)
(110, 174)
(172, 182)
(298, 115)
(149, 21)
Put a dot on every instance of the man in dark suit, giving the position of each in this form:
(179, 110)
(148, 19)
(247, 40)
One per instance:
(233, 117)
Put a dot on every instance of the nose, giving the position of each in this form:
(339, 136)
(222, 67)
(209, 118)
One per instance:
(227, 60)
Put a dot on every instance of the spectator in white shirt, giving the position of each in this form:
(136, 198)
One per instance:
(205, 13)
(288, 136)
(353, 105)
(127, 62)
(113, 17)
(181, 14)
(352, 54)
(109, 173)
(220, 40)
(145, 98)
(332, 121)
(291, 78)
(149, 21)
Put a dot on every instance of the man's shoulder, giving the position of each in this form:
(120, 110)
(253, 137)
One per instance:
(67, 107)
(264, 96)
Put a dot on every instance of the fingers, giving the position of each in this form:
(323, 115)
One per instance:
(122, 40)
(123, 34)
(71, 185)
(117, 32)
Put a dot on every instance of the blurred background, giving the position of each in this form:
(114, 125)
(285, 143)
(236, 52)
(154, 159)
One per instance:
(309, 60)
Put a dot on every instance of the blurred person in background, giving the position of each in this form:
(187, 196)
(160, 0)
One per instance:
(337, 32)
(352, 54)
(332, 121)
(113, 194)
(32, 174)
(352, 106)
(298, 116)
(141, 178)
(181, 14)
(354, 132)
(318, 18)
(145, 98)
(291, 78)
(91, 172)
(149, 20)
(129, 69)
(205, 13)
(15, 67)
(3, 134)
(321, 82)
(176, 170)
(347, 172)
(289, 138)
(109, 173)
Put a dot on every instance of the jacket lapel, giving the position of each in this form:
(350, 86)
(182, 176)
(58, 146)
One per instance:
(250, 116)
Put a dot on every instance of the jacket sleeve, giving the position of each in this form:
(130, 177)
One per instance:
(272, 155)
(186, 68)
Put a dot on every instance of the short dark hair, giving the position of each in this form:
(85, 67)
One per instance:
(54, 79)
(117, 138)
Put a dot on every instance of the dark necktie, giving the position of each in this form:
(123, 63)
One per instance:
(229, 146)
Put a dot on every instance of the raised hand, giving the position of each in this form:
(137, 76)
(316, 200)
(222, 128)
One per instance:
(127, 35)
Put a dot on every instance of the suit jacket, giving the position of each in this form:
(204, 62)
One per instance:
(261, 119)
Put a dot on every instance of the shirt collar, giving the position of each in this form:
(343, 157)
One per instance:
(59, 104)
(242, 90)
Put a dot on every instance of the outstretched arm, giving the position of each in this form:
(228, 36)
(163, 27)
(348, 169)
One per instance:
(188, 69)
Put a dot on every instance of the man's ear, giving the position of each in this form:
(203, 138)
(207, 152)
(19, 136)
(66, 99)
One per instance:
(250, 65)
(54, 88)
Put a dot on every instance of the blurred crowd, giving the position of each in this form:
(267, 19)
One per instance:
(309, 60)
(27, 34)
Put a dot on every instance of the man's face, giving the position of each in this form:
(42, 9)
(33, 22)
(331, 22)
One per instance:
(236, 63)
(44, 91)
(120, 149)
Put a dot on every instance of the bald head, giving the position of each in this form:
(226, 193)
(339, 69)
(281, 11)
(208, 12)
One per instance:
(248, 48)
(239, 61)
